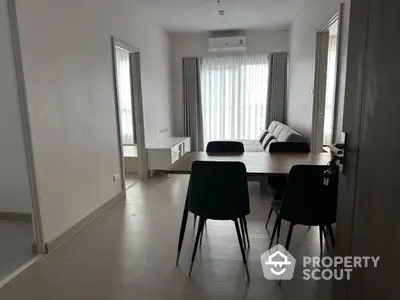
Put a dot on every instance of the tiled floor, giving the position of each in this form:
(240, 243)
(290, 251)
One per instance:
(16, 240)
(129, 253)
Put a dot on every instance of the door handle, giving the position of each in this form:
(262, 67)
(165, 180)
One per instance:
(338, 154)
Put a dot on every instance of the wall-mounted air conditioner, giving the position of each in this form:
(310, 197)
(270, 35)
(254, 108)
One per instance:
(227, 44)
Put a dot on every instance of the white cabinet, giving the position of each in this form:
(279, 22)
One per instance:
(164, 153)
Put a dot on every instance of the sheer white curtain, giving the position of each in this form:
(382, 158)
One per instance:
(234, 96)
(125, 95)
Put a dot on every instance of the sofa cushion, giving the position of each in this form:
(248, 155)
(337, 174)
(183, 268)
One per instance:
(269, 144)
(284, 134)
(278, 129)
(263, 135)
(269, 137)
(287, 134)
(273, 125)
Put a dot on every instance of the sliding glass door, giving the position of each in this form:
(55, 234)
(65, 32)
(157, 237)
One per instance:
(234, 96)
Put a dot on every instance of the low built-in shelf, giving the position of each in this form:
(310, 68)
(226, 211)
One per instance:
(163, 153)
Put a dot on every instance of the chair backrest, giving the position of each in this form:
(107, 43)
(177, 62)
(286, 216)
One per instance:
(225, 146)
(306, 200)
(289, 147)
(218, 190)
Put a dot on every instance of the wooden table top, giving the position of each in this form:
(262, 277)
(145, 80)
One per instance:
(257, 163)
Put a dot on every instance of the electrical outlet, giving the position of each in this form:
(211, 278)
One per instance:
(116, 177)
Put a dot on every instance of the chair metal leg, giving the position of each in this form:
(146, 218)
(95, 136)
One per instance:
(201, 237)
(243, 232)
(279, 231)
(202, 233)
(242, 248)
(324, 232)
(325, 237)
(331, 235)
(269, 216)
(321, 242)
(196, 243)
(183, 229)
(246, 232)
(274, 232)
(194, 221)
(289, 236)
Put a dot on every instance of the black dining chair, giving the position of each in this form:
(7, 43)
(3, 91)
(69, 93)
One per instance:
(276, 184)
(307, 200)
(225, 147)
(230, 147)
(218, 191)
(289, 147)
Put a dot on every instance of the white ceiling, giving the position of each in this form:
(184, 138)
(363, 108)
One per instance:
(201, 15)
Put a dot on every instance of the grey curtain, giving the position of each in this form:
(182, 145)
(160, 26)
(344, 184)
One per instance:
(192, 102)
(277, 88)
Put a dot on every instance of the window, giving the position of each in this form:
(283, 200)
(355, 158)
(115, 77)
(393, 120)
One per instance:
(125, 95)
(234, 96)
(330, 98)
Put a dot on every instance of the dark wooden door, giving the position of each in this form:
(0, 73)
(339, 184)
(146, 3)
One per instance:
(369, 201)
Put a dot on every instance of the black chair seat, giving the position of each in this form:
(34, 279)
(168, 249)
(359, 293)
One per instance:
(276, 205)
(276, 187)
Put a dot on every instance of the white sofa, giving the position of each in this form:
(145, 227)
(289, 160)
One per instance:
(276, 132)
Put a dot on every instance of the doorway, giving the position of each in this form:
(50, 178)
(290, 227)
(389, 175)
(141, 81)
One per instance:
(21, 237)
(325, 97)
(129, 109)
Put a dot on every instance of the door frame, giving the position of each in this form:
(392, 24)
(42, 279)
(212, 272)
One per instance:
(38, 242)
(137, 105)
(320, 85)
(319, 90)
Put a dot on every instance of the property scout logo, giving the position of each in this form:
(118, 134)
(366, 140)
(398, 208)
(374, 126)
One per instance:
(278, 264)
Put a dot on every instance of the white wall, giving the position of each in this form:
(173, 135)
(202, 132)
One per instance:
(196, 44)
(15, 193)
(66, 49)
(313, 16)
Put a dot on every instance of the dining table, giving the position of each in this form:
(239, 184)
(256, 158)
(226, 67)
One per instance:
(258, 164)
